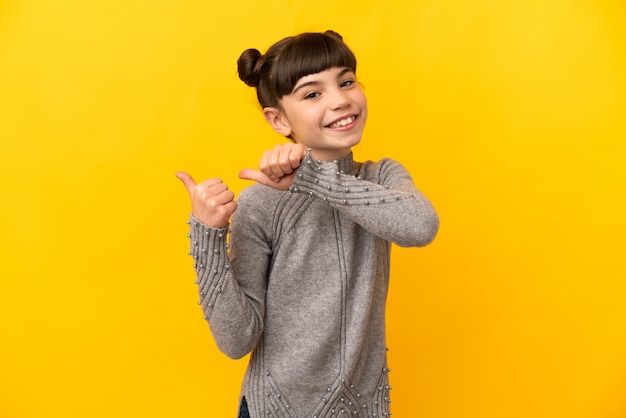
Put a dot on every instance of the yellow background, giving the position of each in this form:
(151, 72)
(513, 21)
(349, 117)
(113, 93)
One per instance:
(509, 114)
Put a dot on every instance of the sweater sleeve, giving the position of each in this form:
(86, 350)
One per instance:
(233, 310)
(381, 198)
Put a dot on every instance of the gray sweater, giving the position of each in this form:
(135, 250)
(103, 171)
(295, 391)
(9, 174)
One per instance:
(302, 284)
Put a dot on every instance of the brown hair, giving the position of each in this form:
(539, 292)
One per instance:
(276, 73)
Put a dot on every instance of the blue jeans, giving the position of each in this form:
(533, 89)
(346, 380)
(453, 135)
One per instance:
(243, 409)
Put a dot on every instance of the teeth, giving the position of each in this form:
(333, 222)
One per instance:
(343, 122)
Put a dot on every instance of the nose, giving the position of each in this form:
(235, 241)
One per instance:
(339, 99)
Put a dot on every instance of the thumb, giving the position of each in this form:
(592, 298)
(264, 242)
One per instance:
(188, 181)
(255, 175)
(283, 184)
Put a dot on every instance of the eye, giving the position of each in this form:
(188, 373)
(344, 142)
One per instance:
(346, 83)
(312, 95)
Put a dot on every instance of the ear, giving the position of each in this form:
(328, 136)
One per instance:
(277, 120)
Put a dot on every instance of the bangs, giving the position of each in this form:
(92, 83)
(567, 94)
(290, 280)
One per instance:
(306, 54)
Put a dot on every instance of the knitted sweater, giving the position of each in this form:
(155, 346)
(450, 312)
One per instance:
(302, 285)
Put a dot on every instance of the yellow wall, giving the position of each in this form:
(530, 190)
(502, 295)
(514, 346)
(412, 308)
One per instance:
(510, 115)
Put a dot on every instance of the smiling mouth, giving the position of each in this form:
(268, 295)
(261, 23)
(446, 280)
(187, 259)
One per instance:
(342, 122)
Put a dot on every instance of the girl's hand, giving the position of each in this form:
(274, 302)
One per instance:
(211, 201)
(277, 167)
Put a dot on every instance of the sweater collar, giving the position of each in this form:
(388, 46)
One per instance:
(345, 165)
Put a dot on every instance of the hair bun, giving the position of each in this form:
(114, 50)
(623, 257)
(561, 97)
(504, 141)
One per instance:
(333, 34)
(249, 67)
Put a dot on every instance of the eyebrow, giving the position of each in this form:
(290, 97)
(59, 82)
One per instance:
(315, 82)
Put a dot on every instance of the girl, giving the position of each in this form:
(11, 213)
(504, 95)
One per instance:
(302, 282)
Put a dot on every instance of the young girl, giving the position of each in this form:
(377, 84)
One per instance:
(302, 282)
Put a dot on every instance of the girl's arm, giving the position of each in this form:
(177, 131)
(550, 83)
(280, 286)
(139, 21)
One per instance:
(381, 198)
(234, 312)
(232, 303)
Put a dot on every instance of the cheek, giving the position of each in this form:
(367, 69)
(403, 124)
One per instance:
(312, 117)
(360, 99)
(363, 104)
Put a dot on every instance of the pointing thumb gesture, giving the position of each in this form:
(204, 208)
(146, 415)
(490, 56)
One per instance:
(188, 181)
(212, 203)
(255, 175)
(278, 166)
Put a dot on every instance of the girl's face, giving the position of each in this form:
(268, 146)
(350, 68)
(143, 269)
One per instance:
(326, 112)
